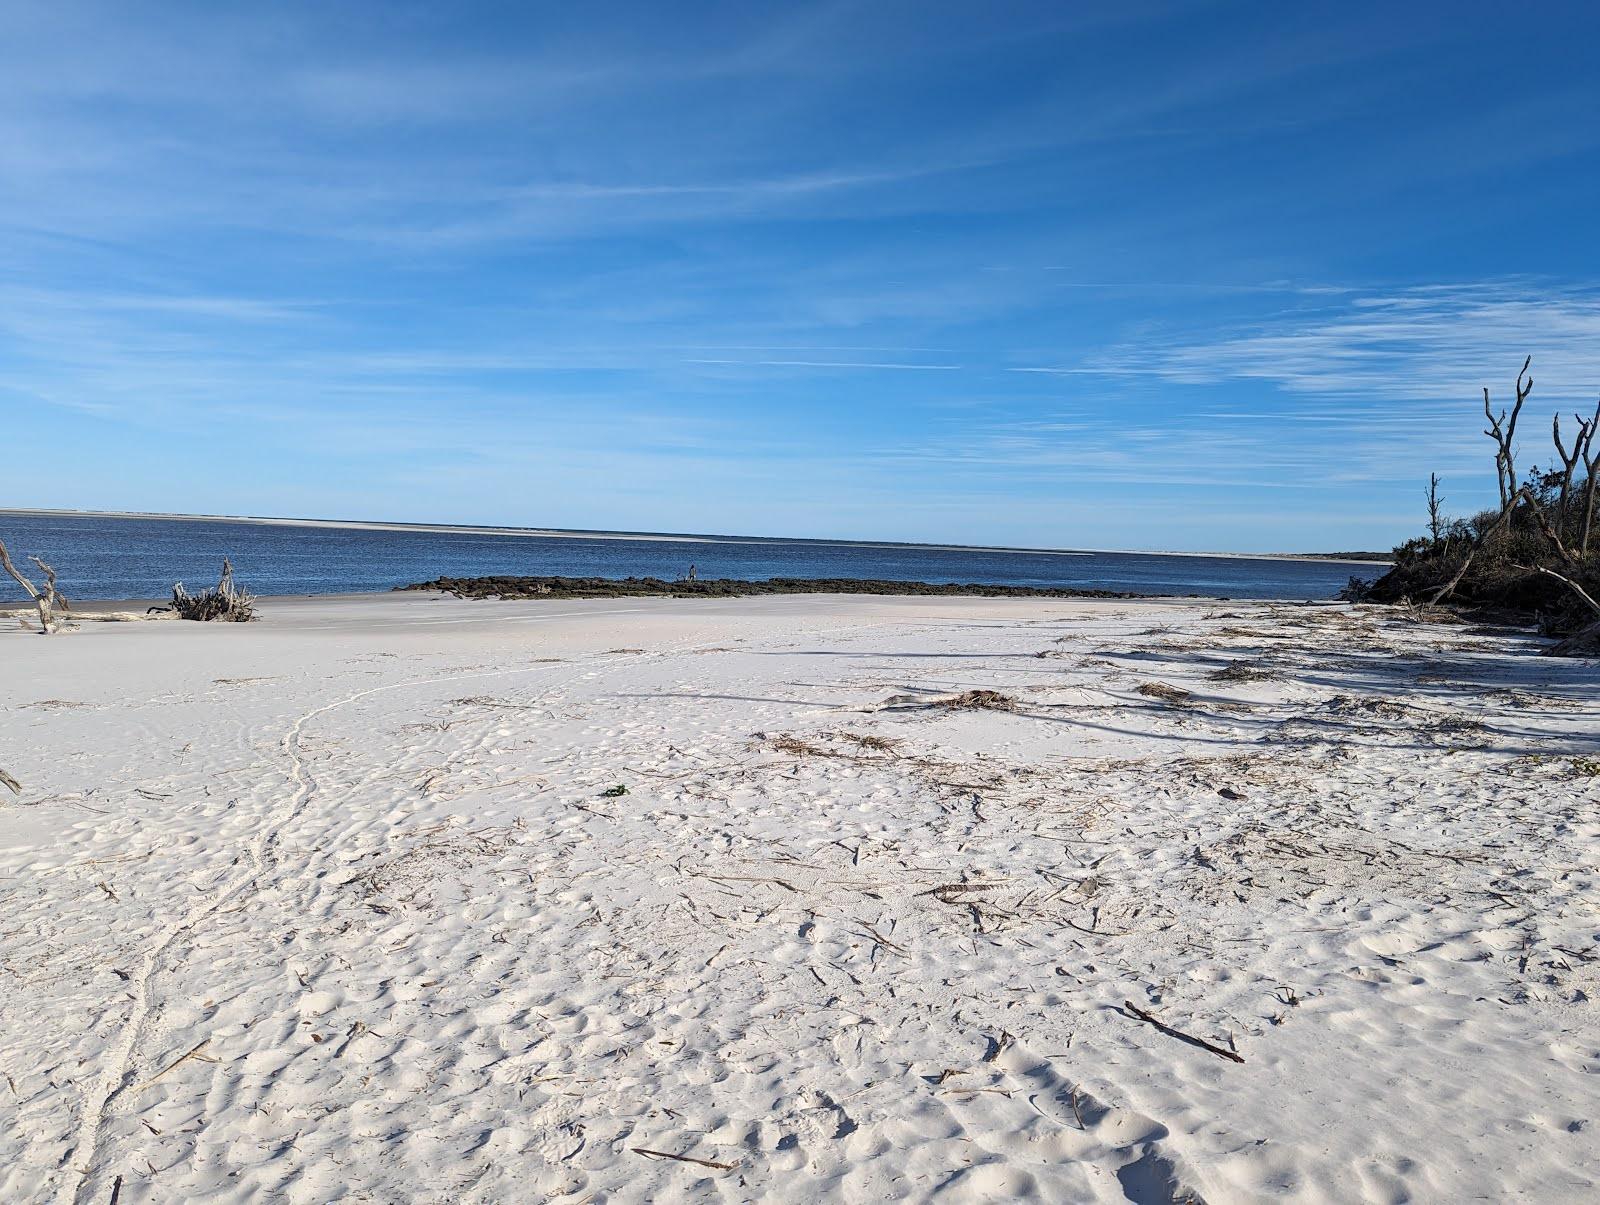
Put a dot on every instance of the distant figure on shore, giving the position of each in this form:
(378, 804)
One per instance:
(691, 574)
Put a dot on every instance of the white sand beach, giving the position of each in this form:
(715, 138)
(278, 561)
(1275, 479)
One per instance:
(406, 898)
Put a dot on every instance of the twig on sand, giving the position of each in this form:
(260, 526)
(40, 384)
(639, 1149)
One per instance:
(1072, 1098)
(1135, 1011)
(7, 781)
(947, 892)
(1093, 932)
(748, 878)
(997, 1046)
(182, 1058)
(721, 1167)
(884, 941)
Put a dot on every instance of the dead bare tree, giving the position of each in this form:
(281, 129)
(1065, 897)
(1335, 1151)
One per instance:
(1569, 462)
(1435, 504)
(48, 600)
(1591, 462)
(1504, 432)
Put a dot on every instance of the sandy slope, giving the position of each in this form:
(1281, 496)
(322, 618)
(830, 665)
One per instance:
(336, 906)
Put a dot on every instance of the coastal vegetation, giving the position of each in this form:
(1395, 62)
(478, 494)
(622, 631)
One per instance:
(1536, 556)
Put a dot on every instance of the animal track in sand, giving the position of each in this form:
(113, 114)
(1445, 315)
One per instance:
(102, 1095)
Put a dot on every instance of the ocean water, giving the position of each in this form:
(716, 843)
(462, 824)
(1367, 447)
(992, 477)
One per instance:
(101, 558)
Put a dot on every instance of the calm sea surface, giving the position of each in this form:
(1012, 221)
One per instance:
(110, 558)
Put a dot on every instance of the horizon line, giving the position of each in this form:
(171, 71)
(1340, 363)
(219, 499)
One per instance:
(1371, 557)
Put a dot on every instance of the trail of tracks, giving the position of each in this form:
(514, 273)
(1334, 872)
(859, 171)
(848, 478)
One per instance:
(116, 1078)
(97, 1099)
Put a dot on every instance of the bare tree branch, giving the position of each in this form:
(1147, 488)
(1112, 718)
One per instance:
(1504, 432)
(1543, 520)
(1567, 581)
(1591, 462)
(1569, 462)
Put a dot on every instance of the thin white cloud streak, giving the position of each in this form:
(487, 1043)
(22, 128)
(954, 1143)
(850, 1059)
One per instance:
(1396, 377)
(1426, 343)
(1063, 372)
(829, 364)
(1175, 286)
(198, 112)
(223, 307)
(582, 208)
(811, 347)
(801, 184)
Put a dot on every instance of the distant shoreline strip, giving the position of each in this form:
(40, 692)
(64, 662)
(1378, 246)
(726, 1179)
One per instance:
(663, 537)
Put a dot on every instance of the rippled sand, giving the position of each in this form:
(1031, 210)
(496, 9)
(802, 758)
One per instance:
(414, 899)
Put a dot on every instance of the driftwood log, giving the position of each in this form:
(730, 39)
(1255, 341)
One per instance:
(48, 600)
(226, 601)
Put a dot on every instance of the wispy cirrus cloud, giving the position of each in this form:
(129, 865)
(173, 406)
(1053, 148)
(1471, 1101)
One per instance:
(1428, 343)
(832, 364)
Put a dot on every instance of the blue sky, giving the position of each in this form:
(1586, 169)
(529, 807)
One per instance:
(1165, 275)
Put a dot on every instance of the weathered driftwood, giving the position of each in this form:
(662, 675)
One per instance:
(227, 601)
(47, 600)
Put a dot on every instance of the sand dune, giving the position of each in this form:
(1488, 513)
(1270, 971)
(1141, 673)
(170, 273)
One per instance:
(414, 899)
